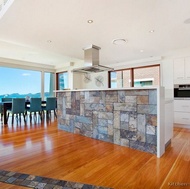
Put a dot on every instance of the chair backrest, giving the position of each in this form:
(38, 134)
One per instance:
(18, 105)
(35, 104)
(51, 103)
(1, 108)
(6, 99)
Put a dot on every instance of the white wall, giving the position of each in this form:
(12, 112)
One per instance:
(166, 67)
(93, 83)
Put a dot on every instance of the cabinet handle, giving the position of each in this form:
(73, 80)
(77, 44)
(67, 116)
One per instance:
(179, 77)
(185, 106)
(185, 118)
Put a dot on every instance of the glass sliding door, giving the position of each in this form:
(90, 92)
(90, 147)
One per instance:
(120, 79)
(62, 80)
(49, 84)
(17, 83)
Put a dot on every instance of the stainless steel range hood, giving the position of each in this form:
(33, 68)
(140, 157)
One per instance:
(91, 59)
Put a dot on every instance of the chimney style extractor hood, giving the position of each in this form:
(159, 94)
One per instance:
(91, 57)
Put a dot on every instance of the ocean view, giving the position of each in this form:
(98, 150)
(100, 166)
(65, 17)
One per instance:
(17, 95)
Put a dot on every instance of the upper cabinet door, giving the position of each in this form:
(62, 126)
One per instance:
(187, 67)
(179, 68)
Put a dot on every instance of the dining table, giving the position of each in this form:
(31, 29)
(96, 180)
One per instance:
(8, 105)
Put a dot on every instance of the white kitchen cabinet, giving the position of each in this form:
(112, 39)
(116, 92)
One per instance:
(181, 68)
(182, 111)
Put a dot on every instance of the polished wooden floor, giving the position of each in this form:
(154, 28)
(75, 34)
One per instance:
(41, 149)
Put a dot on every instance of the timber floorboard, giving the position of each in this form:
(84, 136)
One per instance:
(43, 150)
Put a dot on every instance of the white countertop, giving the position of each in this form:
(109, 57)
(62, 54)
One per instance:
(109, 89)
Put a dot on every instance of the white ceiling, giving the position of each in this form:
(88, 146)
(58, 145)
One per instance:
(28, 25)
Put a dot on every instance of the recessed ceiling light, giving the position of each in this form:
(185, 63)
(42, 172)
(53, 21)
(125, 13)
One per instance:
(49, 41)
(141, 50)
(187, 21)
(119, 41)
(151, 31)
(90, 21)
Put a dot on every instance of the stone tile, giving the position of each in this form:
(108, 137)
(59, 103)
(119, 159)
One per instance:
(18, 181)
(37, 178)
(116, 136)
(109, 107)
(58, 187)
(102, 130)
(131, 107)
(25, 182)
(116, 120)
(131, 99)
(124, 142)
(136, 92)
(132, 136)
(61, 183)
(124, 133)
(133, 122)
(152, 97)
(151, 130)
(153, 109)
(141, 127)
(33, 184)
(49, 186)
(40, 185)
(10, 179)
(83, 119)
(124, 125)
(4, 172)
(4, 178)
(110, 130)
(142, 100)
(82, 112)
(111, 98)
(31, 177)
(95, 107)
(151, 139)
(124, 116)
(88, 113)
(105, 115)
(16, 175)
(103, 122)
(10, 174)
(121, 96)
(151, 120)
(23, 176)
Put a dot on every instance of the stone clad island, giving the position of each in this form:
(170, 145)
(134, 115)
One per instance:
(127, 117)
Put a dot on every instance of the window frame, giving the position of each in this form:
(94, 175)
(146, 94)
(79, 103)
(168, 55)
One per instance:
(131, 73)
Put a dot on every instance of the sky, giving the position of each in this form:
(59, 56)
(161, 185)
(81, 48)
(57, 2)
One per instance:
(21, 81)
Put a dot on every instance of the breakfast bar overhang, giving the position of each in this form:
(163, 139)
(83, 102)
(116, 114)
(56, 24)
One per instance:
(130, 117)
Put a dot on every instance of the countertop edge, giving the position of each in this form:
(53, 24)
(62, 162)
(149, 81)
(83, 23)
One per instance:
(109, 89)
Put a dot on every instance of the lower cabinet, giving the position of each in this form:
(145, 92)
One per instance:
(182, 112)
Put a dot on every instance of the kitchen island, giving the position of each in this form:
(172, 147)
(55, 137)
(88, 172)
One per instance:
(131, 117)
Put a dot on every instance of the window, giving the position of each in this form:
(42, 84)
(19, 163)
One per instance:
(146, 76)
(49, 84)
(120, 79)
(21, 83)
(135, 77)
(62, 80)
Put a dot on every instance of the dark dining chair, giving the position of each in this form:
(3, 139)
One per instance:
(6, 99)
(18, 109)
(51, 105)
(35, 107)
(1, 111)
